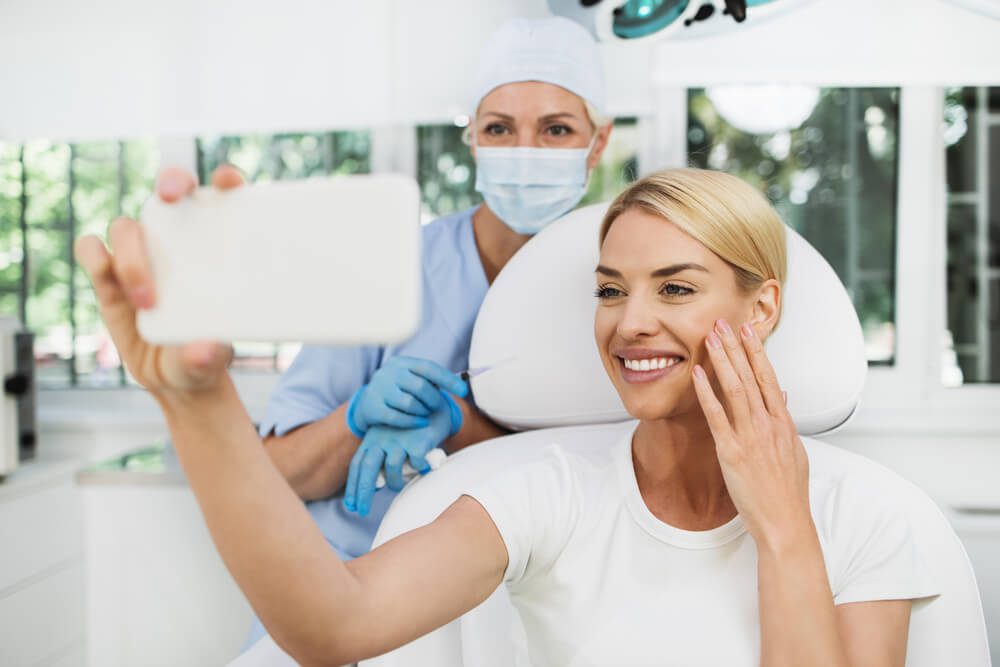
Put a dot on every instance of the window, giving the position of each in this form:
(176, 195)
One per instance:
(618, 166)
(972, 140)
(51, 193)
(446, 170)
(826, 158)
(278, 157)
(274, 158)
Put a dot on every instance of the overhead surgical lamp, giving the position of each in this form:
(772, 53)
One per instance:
(629, 20)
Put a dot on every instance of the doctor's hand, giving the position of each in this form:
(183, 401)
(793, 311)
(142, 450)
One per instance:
(763, 461)
(403, 393)
(388, 447)
(123, 283)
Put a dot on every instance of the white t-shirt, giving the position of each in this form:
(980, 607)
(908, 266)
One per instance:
(599, 580)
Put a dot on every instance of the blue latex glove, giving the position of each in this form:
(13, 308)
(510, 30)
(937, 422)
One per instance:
(403, 393)
(389, 447)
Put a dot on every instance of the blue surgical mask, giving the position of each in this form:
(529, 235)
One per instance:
(530, 187)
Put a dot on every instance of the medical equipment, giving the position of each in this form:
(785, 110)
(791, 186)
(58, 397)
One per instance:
(470, 373)
(326, 261)
(17, 415)
(435, 458)
(618, 20)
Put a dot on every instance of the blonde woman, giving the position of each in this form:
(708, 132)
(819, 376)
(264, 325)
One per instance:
(703, 537)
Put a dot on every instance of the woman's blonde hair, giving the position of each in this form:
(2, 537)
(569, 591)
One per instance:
(726, 215)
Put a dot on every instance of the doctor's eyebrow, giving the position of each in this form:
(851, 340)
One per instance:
(547, 117)
(658, 273)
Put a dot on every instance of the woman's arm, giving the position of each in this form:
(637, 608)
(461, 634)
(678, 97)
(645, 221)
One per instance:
(800, 625)
(319, 609)
(875, 633)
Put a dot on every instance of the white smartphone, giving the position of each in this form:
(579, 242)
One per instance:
(334, 260)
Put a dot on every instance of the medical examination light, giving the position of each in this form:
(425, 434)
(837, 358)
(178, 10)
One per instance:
(623, 20)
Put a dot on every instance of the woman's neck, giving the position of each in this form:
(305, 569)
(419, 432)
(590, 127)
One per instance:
(678, 472)
(495, 241)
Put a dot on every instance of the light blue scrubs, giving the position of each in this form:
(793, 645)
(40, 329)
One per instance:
(321, 378)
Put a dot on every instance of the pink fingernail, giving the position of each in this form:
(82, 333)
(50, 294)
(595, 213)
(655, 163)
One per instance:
(142, 296)
(747, 330)
(714, 341)
(723, 327)
(699, 371)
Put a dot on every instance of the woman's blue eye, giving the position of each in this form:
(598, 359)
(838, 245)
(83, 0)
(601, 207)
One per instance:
(673, 289)
(605, 292)
(560, 130)
(495, 128)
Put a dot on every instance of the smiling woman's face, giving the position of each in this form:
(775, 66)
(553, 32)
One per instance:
(660, 292)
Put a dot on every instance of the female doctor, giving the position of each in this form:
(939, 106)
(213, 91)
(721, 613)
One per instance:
(339, 416)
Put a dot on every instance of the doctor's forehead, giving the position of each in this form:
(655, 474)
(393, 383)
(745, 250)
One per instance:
(641, 241)
(531, 98)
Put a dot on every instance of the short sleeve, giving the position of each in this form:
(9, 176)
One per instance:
(319, 380)
(876, 554)
(535, 507)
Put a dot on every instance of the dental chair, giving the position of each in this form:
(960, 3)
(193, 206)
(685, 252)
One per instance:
(536, 324)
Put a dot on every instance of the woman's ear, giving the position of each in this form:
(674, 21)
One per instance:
(600, 143)
(766, 308)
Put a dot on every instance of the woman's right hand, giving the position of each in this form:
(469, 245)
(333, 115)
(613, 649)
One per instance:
(123, 282)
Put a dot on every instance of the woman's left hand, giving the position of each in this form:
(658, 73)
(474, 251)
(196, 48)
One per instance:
(763, 460)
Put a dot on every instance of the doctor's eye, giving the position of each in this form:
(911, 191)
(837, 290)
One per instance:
(673, 289)
(496, 129)
(607, 292)
(559, 130)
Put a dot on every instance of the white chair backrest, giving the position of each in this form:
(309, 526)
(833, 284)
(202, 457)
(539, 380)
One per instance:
(537, 322)
(539, 315)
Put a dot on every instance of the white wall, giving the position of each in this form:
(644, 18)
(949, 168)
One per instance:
(120, 68)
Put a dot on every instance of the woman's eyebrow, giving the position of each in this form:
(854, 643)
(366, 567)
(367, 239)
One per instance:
(659, 273)
(677, 268)
(608, 272)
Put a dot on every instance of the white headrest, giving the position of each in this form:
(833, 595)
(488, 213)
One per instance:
(537, 321)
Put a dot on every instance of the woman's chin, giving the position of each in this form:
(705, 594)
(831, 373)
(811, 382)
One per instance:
(647, 410)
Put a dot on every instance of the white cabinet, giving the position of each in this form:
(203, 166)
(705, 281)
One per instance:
(41, 566)
(157, 591)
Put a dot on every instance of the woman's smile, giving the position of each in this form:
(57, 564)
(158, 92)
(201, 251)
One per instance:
(638, 365)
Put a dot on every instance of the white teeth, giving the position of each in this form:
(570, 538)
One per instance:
(650, 364)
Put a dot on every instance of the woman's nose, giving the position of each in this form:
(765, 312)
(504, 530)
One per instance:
(638, 320)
